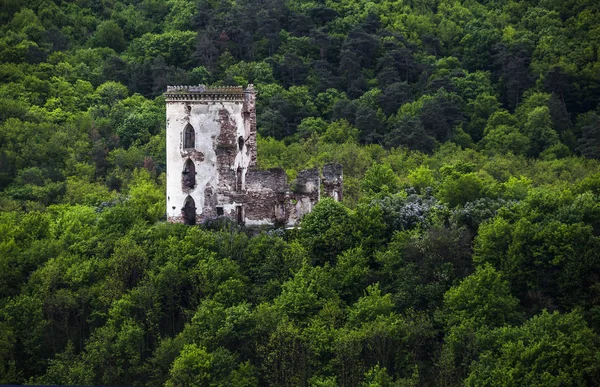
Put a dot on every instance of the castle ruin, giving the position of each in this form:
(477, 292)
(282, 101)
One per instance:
(211, 163)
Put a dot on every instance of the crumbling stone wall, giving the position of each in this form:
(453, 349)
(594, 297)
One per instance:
(333, 181)
(266, 197)
(223, 160)
(249, 112)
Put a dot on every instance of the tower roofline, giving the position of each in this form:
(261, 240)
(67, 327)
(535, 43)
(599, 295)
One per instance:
(202, 92)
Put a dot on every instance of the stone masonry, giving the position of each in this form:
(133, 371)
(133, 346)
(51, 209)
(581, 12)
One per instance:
(211, 163)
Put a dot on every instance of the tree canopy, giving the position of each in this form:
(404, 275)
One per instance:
(465, 251)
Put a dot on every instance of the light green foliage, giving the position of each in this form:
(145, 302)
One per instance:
(110, 92)
(305, 294)
(378, 377)
(474, 85)
(86, 193)
(138, 119)
(369, 307)
(461, 188)
(517, 188)
(340, 132)
(483, 298)
(551, 349)
(244, 73)
(504, 139)
(500, 117)
(300, 98)
(369, 226)
(215, 325)
(146, 197)
(311, 126)
(174, 47)
(271, 152)
(370, 98)
(200, 76)
(351, 272)
(421, 178)
(65, 368)
(325, 101)
(191, 368)
(180, 15)
(380, 179)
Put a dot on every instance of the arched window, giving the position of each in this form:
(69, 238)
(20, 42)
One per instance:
(189, 137)
(189, 210)
(241, 143)
(189, 174)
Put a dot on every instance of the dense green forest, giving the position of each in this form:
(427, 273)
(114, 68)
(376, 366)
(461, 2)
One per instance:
(466, 250)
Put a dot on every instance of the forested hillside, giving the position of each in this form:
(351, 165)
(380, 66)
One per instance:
(466, 250)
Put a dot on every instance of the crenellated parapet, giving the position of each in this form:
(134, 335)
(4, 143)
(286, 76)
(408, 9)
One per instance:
(204, 93)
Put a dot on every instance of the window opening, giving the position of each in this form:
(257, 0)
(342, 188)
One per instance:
(189, 211)
(189, 137)
(189, 174)
(220, 211)
(239, 179)
(241, 143)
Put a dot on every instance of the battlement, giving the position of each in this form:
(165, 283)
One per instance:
(202, 92)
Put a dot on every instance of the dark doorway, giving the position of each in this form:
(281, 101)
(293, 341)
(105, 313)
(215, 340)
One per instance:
(189, 174)
(189, 211)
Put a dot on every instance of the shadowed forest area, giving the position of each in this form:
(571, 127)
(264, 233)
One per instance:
(466, 250)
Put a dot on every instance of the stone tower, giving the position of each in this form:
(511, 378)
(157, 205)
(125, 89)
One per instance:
(211, 144)
(211, 160)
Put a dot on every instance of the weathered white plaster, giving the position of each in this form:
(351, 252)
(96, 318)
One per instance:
(204, 119)
(242, 160)
(258, 222)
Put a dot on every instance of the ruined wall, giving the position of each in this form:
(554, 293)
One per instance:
(333, 181)
(267, 193)
(249, 114)
(211, 156)
(307, 192)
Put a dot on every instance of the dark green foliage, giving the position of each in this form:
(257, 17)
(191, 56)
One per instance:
(394, 96)
(589, 143)
(419, 267)
(474, 213)
(440, 115)
(409, 132)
